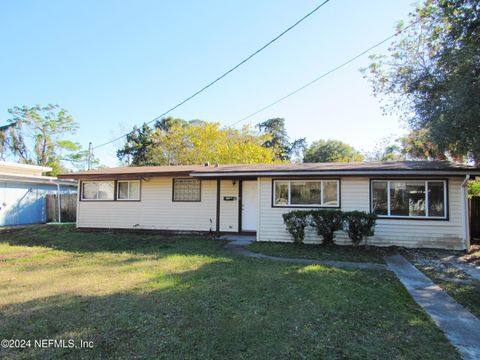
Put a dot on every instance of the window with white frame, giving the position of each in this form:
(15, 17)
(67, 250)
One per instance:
(307, 193)
(409, 198)
(128, 190)
(186, 190)
(98, 190)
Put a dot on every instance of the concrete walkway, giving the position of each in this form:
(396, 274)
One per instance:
(469, 269)
(457, 323)
(237, 243)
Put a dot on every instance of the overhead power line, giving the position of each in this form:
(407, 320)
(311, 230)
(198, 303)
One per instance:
(324, 74)
(223, 75)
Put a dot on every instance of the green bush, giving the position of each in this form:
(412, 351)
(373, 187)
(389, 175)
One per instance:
(358, 225)
(296, 221)
(473, 188)
(327, 222)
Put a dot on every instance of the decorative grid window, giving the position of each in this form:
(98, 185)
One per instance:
(186, 190)
(415, 199)
(306, 193)
(128, 190)
(98, 190)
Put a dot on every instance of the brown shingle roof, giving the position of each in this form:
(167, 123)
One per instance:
(336, 166)
(200, 170)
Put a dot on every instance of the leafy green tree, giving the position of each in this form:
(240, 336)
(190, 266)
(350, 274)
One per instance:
(79, 160)
(331, 151)
(137, 147)
(36, 135)
(432, 75)
(413, 146)
(5, 140)
(388, 149)
(180, 142)
(166, 124)
(279, 140)
(417, 145)
(208, 142)
(474, 188)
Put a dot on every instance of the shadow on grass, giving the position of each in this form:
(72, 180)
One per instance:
(68, 238)
(241, 309)
(336, 252)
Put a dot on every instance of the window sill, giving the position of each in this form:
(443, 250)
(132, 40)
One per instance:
(307, 206)
(421, 218)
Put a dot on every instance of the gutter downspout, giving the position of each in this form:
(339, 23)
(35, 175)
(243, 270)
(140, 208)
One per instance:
(466, 220)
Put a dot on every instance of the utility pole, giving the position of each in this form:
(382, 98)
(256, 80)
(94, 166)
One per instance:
(89, 159)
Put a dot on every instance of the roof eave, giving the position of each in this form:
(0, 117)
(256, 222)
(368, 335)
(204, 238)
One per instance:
(132, 176)
(36, 180)
(459, 172)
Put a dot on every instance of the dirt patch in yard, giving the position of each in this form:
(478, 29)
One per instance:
(19, 255)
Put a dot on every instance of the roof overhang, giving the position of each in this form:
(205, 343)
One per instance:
(255, 174)
(33, 179)
(23, 168)
(360, 173)
(361, 169)
(130, 176)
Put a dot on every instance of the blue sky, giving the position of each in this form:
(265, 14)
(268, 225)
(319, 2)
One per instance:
(114, 64)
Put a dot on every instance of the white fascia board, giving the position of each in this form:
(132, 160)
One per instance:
(47, 180)
(26, 181)
(25, 166)
(65, 182)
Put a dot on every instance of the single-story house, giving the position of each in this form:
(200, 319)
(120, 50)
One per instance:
(418, 203)
(23, 191)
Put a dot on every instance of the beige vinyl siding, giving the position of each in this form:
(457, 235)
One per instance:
(228, 209)
(156, 210)
(355, 196)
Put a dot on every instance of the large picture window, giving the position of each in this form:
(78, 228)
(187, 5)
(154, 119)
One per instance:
(306, 193)
(128, 190)
(409, 198)
(186, 190)
(98, 190)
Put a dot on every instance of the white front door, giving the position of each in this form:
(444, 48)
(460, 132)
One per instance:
(249, 206)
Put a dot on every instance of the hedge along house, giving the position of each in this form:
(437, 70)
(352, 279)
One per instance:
(419, 203)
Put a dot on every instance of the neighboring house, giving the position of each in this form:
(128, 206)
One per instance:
(23, 191)
(419, 203)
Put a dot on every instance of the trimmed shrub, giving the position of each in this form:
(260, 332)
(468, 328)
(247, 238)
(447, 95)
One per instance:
(327, 222)
(358, 225)
(296, 221)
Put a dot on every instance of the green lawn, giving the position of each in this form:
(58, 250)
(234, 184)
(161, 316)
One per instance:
(315, 251)
(148, 296)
